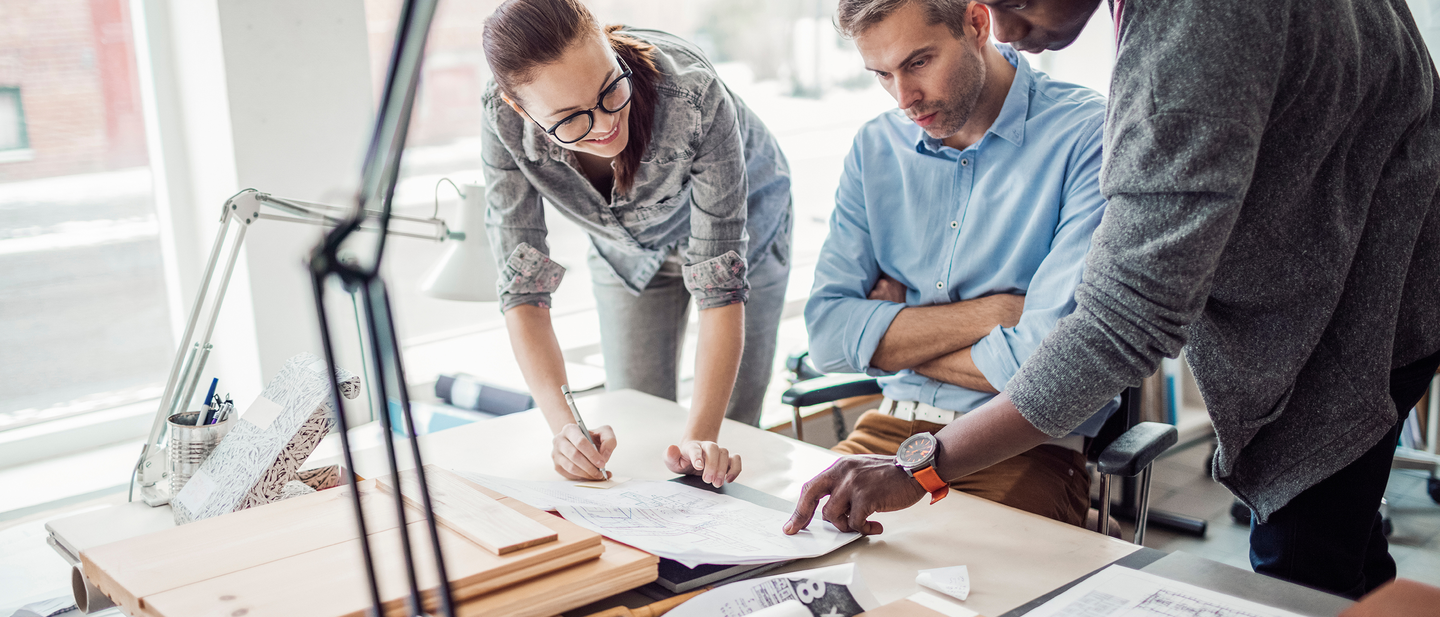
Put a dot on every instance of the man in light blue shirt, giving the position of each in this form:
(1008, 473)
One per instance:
(958, 238)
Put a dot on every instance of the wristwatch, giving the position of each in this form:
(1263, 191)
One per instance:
(917, 457)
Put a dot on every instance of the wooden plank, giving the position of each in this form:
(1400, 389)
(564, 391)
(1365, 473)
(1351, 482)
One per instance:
(466, 509)
(621, 568)
(330, 582)
(908, 607)
(132, 569)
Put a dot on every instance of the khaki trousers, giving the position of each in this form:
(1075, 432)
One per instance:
(1047, 480)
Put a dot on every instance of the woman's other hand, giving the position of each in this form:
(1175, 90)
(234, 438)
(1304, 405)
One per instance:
(707, 459)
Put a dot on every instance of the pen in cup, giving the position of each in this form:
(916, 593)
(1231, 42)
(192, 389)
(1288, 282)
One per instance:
(580, 422)
(209, 409)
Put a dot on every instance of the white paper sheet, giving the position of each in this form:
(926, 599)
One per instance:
(954, 581)
(835, 591)
(675, 521)
(1118, 591)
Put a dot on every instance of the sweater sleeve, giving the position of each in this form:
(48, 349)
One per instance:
(1190, 97)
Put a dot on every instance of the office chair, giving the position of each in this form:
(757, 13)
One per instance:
(1125, 447)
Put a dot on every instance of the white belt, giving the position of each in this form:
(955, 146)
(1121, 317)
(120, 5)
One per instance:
(915, 410)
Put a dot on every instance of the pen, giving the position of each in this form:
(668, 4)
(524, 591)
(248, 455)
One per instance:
(209, 396)
(580, 422)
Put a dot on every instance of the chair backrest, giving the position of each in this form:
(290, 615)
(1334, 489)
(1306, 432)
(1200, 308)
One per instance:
(1127, 416)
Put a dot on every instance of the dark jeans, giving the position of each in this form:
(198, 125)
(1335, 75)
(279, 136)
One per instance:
(1329, 536)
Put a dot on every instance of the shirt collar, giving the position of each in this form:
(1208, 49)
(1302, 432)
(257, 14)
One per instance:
(1010, 124)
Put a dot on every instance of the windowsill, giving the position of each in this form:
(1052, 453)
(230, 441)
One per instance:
(58, 438)
(17, 156)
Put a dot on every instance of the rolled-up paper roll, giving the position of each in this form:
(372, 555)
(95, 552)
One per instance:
(88, 598)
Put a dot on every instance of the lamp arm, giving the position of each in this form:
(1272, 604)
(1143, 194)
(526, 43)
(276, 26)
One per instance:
(440, 235)
(191, 355)
(315, 214)
(184, 370)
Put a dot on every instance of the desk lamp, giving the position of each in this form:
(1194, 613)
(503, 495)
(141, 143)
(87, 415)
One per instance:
(240, 212)
(467, 271)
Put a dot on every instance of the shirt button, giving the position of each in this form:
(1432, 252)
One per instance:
(954, 224)
(964, 162)
(939, 284)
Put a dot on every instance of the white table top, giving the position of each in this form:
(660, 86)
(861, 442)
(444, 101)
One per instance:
(1012, 556)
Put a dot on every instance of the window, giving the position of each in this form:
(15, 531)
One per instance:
(12, 121)
(82, 290)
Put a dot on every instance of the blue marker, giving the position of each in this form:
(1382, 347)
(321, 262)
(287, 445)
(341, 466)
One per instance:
(205, 417)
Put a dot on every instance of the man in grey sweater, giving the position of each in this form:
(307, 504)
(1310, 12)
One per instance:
(1272, 171)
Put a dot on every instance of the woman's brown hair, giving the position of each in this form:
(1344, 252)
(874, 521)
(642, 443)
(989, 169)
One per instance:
(522, 36)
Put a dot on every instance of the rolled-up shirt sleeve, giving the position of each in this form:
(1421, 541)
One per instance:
(845, 326)
(715, 270)
(1051, 294)
(515, 223)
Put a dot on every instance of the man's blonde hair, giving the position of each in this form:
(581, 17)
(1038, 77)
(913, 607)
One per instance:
(854, 17)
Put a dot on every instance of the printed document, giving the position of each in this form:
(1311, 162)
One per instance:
(675, 521)
(834, 591)
(1118, 591)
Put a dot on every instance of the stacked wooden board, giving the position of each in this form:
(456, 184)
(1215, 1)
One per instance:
(302, 557)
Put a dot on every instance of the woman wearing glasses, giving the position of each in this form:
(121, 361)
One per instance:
(683, 192)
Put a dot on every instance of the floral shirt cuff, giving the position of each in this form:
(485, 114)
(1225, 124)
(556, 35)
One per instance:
(718, 282)
(528, 277)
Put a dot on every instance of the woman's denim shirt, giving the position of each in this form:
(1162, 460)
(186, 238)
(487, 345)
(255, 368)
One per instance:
(713, 183)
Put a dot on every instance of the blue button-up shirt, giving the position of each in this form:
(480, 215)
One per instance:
(1012, 213)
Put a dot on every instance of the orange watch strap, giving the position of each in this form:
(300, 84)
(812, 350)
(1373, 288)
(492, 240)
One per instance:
(931, 482)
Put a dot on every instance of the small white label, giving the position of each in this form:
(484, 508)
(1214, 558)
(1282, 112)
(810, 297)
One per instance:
(196, 492)
(262, 413)
(464, 393)
(316, 365)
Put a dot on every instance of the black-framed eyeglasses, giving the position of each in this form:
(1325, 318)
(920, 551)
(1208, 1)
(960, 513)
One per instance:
(576, 126)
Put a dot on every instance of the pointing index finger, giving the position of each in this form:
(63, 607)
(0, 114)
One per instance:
(810, 496)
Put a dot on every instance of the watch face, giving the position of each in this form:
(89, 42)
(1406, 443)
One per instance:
(917, 450)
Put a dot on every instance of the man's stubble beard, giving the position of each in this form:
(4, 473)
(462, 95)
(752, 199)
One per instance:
(966, 85)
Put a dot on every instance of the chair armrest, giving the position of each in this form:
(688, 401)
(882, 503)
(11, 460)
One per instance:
(799, 364)
(830, 388)
(1134, 450)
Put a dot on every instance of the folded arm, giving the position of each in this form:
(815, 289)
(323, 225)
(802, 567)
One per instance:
(855, 329)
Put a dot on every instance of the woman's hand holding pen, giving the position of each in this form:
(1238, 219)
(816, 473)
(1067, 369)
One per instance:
(707, 459)
(574, 456)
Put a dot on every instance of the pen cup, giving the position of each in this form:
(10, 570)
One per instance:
(190, 444)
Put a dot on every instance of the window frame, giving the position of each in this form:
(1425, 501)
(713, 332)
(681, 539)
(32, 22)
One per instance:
(23, 152)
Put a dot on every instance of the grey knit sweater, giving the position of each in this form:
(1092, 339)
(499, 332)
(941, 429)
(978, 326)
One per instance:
(1271, 169)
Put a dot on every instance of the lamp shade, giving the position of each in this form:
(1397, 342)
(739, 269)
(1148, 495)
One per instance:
(467, 270)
